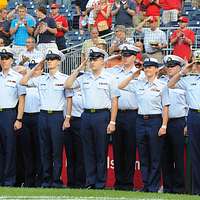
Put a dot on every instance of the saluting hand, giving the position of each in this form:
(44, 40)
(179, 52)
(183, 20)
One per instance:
(187, 68)
(82, 65)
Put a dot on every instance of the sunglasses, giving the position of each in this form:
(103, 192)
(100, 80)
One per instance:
(6, 57)
(52, 57)
(126, 54)
(94, 58)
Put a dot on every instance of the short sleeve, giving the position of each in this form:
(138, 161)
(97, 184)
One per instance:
(114, 91)
(68, 93)
(165, 96)
(181, 84)
(21, 90)
(13, 23)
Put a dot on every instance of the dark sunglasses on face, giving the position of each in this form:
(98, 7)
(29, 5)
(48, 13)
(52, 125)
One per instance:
(5, 57)
(52, 57)
(126, 54)
(94, 58)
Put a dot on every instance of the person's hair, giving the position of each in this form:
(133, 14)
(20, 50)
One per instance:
(2, 40)
(32, 38)
(42, 9)
(21, 6)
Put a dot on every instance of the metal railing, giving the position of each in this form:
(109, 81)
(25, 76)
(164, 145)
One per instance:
(73, 54)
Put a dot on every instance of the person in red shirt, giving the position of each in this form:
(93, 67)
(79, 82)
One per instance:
(171, 10)
(62, 26)
(152, 8)
(182, 39)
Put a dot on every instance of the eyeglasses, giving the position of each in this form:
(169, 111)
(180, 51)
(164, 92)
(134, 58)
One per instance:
(53, 58)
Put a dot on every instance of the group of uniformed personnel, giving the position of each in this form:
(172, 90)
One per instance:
(139, 106)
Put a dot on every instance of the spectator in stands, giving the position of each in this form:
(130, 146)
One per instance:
(120, 38)
(43, 2)
(154, 38)
(80, 6)
(170, 10)
(2, 43)
(62, 26)
(124, 12)
(4, 27)
(31, 53)
(95, 39)
(182, 39)
(20, 30)
(46, 30)
(196, 3)
(103, 17)
(152, 8)
(83, 22)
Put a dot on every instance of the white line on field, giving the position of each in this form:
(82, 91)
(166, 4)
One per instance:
(72, 198)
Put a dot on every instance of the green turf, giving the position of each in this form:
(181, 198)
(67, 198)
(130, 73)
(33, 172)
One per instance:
(91, 193)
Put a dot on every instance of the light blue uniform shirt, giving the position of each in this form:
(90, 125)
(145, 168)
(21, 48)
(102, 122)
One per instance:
(178, 105)
(51, 90)
(127, 99)
(151, 97)
(32, 100)
(98, 91)
(77, 103)
(10, 89)
(191, 84)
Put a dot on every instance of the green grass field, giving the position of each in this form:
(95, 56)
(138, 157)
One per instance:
(75, 194)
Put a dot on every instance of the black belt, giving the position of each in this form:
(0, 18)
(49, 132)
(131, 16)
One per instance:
(75, 118)
(31, 114)
(173, 119)
(95, 110)
(51, 111)
(195, 110)
(128, 110)
(6, 109)
(147, 117)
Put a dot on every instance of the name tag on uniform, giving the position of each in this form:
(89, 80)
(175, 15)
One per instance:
(11, 83)
(155, 90)
(193, 84)
(86, 85)
(43, 86)
(103, 85)
(59, 86)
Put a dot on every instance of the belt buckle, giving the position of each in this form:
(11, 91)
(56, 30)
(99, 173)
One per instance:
(146, 117)
(1, 109)
(49, 111)
(92, 110)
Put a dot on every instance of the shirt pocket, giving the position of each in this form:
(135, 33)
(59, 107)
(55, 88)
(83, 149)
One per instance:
(43, 86)
(86, 85)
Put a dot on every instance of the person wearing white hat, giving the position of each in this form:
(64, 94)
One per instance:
(151, 123)
(190, 82)
(124, 138)
(51, 120)
(173, 152)
(100, 100)
(10, 120)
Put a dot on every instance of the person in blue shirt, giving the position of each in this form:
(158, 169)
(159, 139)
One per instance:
(10, 120)
(100, 99)
(151, 123)
(20, 29)
(52, 98)
(173, 151)
(190, 82)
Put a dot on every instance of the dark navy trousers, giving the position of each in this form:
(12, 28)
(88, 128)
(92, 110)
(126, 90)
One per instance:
(150, 151)
(124, 149)
(74, 152)
(194, 141)
(7, 148)
(95, 143)
(51, 136)
(29, 140)
(173, 157)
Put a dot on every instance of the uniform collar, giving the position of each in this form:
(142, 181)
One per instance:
(155, 82)
(55, 76)
(102, 74)
(10, 72)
